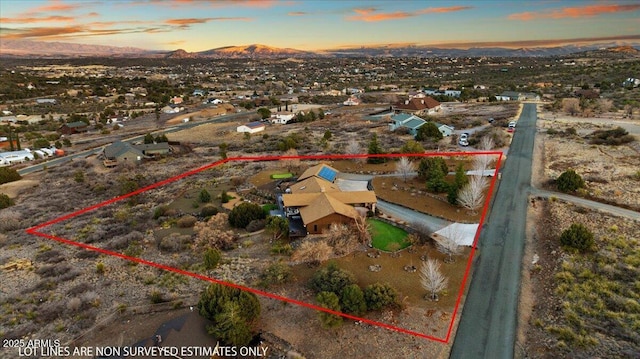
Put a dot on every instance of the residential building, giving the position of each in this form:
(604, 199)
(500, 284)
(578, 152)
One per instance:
(119, 152)
(73, 128)
(318, 202)
(282, 118)
(251, 127)
(418, 106)
(445, 130)
(403, 120)
(517, 96)
(352, 101)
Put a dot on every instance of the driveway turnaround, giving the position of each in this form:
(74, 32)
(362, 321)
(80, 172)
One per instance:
(488, 325)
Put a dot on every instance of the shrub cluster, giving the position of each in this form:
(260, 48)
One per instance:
(8, 175)
(577, 236)
(244, 213)
(615, 137)
(569, 181)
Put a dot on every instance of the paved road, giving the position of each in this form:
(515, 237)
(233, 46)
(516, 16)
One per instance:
(411, 216)
(603, 207)
(488, 324)
(177, 127)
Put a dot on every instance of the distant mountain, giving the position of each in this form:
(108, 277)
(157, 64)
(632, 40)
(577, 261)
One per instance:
(616, 52)
(254, 51)
(427, 51)
(27, 48)
(41, 49)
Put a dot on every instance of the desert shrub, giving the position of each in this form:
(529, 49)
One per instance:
(428, 131)
(174, 242)
(378, 296)
(156, 297)
(331, 279)
(577, 236)
(244, 213)
(282, 248)
(5, 201)
(275, 273)
(208, 210)
(160, 211)
(569, 181)
(224, 197)
(8, 174)
(9, 224)
(55, 270)
(74, 304)
(211, 258)
(552, 131)
(204, 196)
(49, 311)
(312, 253)
(86, 254)
(232, 310)
(69, 275)
(214, 234)
(187, 221)
(615, 137)
(330, 301)
(52, 256)
(256, 225)
(79, 289)
(352, 300)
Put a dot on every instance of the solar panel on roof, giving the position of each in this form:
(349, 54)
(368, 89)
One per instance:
(327, 173)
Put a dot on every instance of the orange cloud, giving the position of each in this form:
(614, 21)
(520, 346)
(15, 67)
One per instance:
(190, 21)
(574, 12)
(297, 13)
(371, 15)
(214, 3)
(54, 5)
(31, 20)
(39, 32)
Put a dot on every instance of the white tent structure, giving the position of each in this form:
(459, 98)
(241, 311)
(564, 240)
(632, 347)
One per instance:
(463, 233)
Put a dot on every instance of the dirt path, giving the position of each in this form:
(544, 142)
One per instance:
(13, 189)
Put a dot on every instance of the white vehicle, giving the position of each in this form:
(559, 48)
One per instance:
(512, 126)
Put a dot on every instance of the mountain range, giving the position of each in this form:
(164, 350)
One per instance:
(41, 49)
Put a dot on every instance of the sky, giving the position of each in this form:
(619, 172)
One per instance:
(198, 25)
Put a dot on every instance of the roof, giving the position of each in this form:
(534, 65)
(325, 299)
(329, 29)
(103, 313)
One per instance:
(325, 205)
(401, 117)
(119, 148)
(323, 171)
(313, 184)
(414, 123)
(76, 124)
(255, 124)
(164, 146)
(416, 104)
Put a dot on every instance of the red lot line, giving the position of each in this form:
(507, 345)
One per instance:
(36, 231)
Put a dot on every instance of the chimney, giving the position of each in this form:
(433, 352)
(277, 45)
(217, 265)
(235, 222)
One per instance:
(406, 102)
(422, 102)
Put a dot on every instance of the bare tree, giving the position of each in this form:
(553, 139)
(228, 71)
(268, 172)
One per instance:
(448, 243)
(605, 105)
(313, 253)
(341, 238)
(363, 229)
(482, 162)
(354, 148)
(405, 168)
(432, 278)
(471, 196)
(571, 105)
(214, 233)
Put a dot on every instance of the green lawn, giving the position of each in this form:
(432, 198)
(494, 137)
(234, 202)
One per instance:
(281, 175)
(387, 237)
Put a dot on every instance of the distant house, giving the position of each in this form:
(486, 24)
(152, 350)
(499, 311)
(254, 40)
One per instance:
(73, 128)
(9, 158)
(282, 118)
(251, 127)
(153, 149)
(352, 101)
(517, 96)
(119, 152)
(198, 93)
(403, 120)
(445, 130)
(318, 202)
(176, 100)
(418, 106)
(170, 109)
(46, 101)
(631, 82)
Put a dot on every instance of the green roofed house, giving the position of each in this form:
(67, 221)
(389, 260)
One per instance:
(408, 121)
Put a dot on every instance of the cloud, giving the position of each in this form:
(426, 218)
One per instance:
(262, 4)
(53, 6)
(39, 32)
(538, 43)
(371, 15)
(184, 23)
(297, 13)
(574, 12)
(31, 20)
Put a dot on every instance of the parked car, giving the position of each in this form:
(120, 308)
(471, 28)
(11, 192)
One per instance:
(512, 126)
